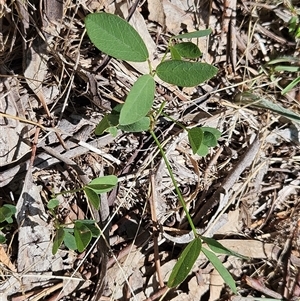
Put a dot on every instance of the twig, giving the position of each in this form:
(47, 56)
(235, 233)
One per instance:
(259, 286)
(61, 132)
(153, 201)
(158, 294)
(273, 36)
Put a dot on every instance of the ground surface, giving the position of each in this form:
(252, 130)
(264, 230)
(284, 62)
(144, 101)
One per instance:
(51, 74)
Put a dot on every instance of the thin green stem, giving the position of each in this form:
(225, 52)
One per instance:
(175, 121)
(160, 110)
(68, 191)
(169, 45)
(180, 197)
(151, 72)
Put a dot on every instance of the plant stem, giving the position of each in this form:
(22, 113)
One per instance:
(151, 72)
(68, 191)
(180, 197)
(160, 110)
(173, 120)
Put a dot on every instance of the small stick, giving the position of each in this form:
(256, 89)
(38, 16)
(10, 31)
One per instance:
(259, 286)
(155, 231)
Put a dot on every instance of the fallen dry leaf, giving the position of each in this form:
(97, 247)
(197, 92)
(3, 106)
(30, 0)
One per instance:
(4, 258)
(156, 12)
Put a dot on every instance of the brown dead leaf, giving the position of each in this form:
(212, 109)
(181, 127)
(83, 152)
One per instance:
(256, 249)
(156, 12)
(95, 5)
(232, 225)
(52, 19)
(13, 132)
(165, 271)
(182, 297)
(34, 56)
(121, 272)
(216, 285)
(177, 18)
(198, 289)
(4, 258)
(35, 244)
(36, 70)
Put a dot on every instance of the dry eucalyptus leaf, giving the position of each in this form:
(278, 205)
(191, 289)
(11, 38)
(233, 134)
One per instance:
(36, 70)
(4, 258)
(13, 132)
(216, 285)
(197, 288)
(156, 12)
(35, 243)
(176, 18)
(133, 261)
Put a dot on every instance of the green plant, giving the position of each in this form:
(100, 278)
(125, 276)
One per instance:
(78, 235)
(115, 37)
(7, 211)
(282, 67)
(294, 26)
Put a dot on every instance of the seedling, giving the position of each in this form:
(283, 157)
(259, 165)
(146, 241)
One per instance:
(7, 211)
(78, 235)
(294, 27)
(285, 65)
(179, 66)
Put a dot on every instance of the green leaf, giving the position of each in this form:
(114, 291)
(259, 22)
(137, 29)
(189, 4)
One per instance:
(115, 37)
(185, 74)
(9, 220)
(93, 197)
(256, 101)
(2, 216)
(185, 263)
(103, 184)
(58, 239)
(86, 221)
(287, 68)
(195, 136)
(293, 22)
(201, 138)
(91, 225)
(69, 239)
(194, 34)
(53, 203)
(188, 50)
(109, 123)
(290, 86)
(297, 33)
(113, 131)
(214, 131)
(174, 54)
(216, 247)
(103, 125)
(94, 230)
(203, 150)
(209, 139)
(221, 269)
(139, 126)
(83, 236)
(12, 208)
(139, 100)
(6, 211)
(117, 109)
(2, 239)
(284, 59)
